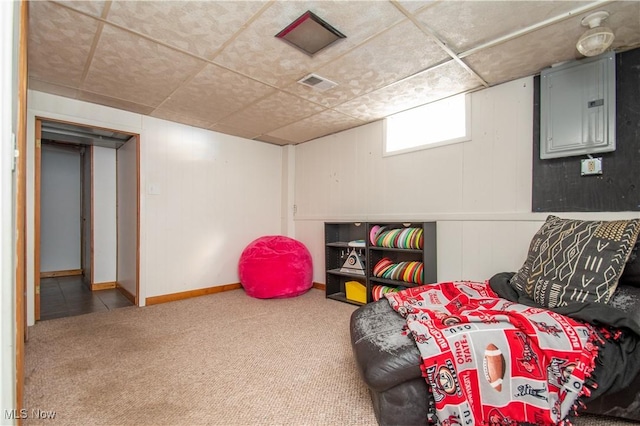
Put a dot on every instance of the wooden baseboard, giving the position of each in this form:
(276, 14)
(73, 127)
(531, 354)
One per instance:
(126, 293)
(320, 286)
(103, 286)
(54, 274)
(191, 293)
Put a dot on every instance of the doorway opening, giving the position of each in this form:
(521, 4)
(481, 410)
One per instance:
(86, 219)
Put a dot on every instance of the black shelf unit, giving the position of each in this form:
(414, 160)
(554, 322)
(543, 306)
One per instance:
(337, 237)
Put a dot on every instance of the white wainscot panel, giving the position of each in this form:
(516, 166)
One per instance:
(311, 234)
(449, 251)
(497, 162)
(215, 194)
(492, 247)
(416, 183)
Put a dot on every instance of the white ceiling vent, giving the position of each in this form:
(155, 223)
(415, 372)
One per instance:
(317, 82)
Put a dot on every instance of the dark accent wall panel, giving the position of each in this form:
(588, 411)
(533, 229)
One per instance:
(557, 183)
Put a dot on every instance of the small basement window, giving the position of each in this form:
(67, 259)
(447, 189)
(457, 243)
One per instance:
(439, 123)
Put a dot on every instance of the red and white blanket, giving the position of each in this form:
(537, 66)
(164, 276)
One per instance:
(494, 362)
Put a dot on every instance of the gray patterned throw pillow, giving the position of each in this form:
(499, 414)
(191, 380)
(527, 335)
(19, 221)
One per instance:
(576, 261)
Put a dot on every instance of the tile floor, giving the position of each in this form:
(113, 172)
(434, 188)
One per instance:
(68, 296)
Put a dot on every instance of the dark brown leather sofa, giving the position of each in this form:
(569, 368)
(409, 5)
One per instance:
(389, 363)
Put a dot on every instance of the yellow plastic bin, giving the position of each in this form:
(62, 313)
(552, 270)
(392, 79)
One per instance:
(356, 291)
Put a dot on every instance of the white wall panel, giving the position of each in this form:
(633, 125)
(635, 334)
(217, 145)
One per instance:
(335, 172)
(497, 162)
(414, 183)
(312, 178)
(347, 174)
(306, 233)
(287, 206)
(60, 210)
(450, 246)
(479, 191)
(104, 215)
(53, 106)
(207, 196)
(126, 197)
(484, 251)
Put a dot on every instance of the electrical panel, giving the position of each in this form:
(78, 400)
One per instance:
(578, 108)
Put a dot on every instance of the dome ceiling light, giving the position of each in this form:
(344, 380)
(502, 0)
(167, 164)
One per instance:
(596, 39)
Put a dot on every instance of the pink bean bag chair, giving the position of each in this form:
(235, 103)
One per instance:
(275, 266)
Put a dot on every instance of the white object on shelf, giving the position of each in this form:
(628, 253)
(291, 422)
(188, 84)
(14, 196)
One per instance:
(356, 243)
(353, 264)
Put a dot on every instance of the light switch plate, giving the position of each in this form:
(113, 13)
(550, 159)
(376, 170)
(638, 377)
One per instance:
(591, 166)
(153, 189)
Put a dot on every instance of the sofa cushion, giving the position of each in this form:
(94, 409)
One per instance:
(406, 404)
(576, 261)
(631, 272)
(386, 356)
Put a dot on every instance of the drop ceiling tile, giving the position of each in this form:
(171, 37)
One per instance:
(316, 126)
(132, 68)
(54, 89)
(277, 63)
(228, 130)
(165, 82)
(415, 5)
(625, 18)
(465, 24)
(93, 7)
(199, 27)
(67, 34)
(530, 53)
(187, 119)
(214, 93)
(377, 63)
(114, 102)
(440, 82)
(273, 140)
(271, 113)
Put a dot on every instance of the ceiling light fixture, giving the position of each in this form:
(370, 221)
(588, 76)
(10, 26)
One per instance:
(310, 33)
(596, 39)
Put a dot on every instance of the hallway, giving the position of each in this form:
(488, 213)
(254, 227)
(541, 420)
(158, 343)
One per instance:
(68, 296)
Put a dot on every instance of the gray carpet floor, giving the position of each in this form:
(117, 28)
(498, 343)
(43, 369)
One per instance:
(222, 359)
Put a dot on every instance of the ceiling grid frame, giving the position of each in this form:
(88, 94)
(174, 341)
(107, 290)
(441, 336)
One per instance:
(362, 22)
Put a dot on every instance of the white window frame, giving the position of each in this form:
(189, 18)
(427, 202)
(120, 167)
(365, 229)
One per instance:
(421, 126)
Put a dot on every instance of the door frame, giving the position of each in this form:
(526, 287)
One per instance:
(135, 299)
(37, 165)
(37, 199)
(21, 329)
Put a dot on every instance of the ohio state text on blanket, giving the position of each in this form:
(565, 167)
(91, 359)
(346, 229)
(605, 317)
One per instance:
(487, 359)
